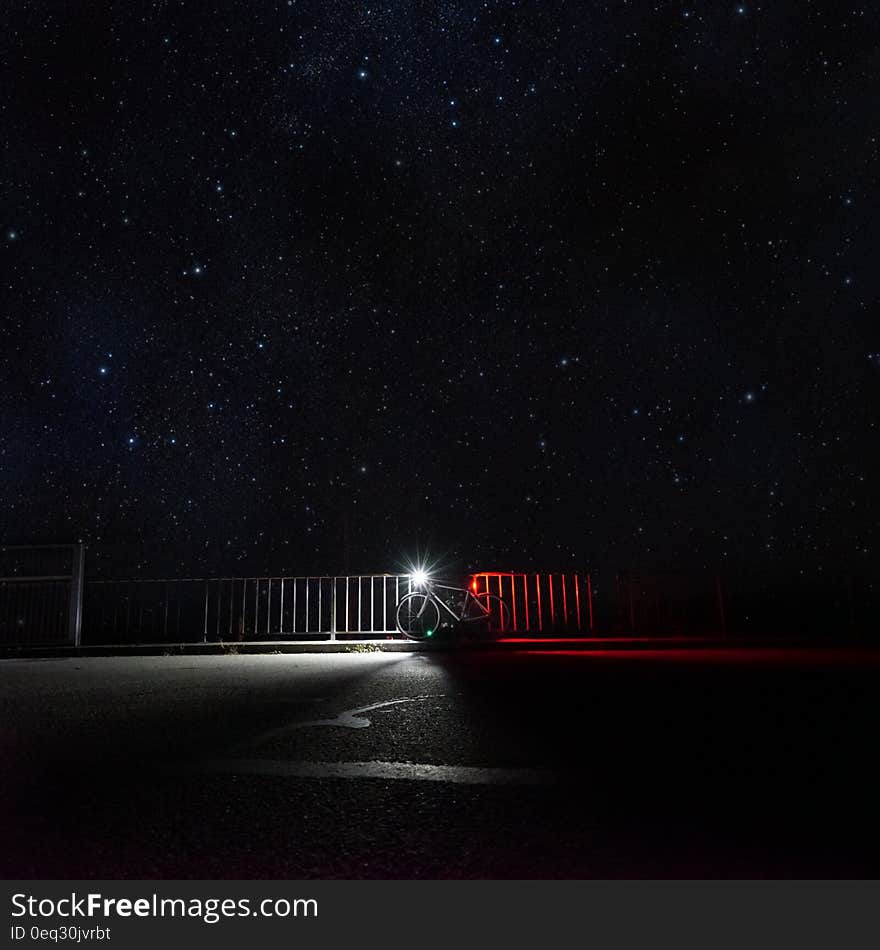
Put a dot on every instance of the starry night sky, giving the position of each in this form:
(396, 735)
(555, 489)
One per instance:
(306, 286)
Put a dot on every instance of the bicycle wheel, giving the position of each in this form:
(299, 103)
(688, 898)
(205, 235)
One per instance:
(417, 616)
(497, 612)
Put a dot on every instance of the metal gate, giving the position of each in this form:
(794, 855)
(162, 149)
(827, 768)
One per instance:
(41, 588)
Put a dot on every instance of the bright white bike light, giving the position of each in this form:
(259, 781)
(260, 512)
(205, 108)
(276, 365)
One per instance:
(419, 577)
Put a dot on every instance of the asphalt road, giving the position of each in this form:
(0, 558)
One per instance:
(685, 763)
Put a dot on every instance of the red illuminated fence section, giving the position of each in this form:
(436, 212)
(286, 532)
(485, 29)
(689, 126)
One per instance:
(541, 603)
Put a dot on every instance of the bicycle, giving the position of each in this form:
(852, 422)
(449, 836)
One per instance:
(418, 613)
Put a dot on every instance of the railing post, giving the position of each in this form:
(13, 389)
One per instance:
(333, 608)
(77, 571)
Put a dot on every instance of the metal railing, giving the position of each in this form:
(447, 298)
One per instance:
(43, 601)
(244, 608)
(41, 589)
(359, 606)
(542, 603)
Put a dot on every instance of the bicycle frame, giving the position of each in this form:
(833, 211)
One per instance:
(463, 617)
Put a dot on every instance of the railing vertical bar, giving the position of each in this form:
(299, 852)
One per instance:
(501, 597)
(513, 600)
(333, 582)
(281, 610)
(242, 623)
(577, 600)
(540, 613)
(564, 601)
(77, 571)
(269, 607)
(256, 607)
